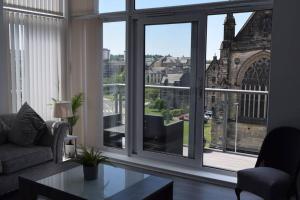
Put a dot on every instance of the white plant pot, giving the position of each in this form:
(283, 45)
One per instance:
(70, 150)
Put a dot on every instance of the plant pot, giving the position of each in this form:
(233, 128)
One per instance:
(90, 173)
(70, 150)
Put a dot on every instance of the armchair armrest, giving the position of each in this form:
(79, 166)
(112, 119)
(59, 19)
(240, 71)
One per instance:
(58, 131)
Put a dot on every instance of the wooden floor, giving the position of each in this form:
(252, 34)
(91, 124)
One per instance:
(185, 189)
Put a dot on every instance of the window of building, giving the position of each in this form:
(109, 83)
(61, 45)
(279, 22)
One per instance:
(254, 106)
(213, 99)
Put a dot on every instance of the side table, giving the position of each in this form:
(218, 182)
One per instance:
(69, 138)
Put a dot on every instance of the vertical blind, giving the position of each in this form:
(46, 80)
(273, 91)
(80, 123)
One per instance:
(44, 5)
(35, 48)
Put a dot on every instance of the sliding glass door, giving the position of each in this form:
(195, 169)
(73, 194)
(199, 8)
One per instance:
(170, 70)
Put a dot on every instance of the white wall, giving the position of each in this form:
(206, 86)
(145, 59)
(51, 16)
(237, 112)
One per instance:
(4, 86)
(84, 72)
(284, 107)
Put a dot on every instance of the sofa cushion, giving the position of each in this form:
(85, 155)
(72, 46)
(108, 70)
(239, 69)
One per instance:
(27, 127)
(4, 130)
(14, 158)
(8, 119)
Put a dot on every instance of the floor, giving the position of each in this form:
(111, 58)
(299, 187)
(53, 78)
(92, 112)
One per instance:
(185, 189)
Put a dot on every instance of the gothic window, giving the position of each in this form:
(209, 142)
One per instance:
(254, 106)
(213, 79)
(213, 99)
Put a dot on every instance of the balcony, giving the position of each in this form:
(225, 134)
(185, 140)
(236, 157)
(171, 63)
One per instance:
(234, 123)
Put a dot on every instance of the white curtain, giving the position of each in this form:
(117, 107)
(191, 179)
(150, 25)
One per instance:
(35, 49)
(45, 5)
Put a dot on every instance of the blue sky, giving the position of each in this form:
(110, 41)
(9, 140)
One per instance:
(172, 39)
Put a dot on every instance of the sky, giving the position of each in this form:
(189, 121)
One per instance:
(173, 39)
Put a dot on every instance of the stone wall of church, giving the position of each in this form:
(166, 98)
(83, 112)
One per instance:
(249, 138)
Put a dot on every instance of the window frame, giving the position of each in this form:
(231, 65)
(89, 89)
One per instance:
(134, 18)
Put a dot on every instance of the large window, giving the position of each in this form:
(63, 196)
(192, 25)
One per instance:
(35, 54)
(114, 87)
(106, 6)
(167, 88)
(197, 84)
(237, 80)
(142, 4)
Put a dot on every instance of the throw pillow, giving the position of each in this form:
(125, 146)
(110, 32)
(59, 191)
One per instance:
(27, 128)
(4, 130)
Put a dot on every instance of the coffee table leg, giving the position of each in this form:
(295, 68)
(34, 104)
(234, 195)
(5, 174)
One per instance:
(26, 190)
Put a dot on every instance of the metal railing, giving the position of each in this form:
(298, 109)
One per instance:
(119, 90)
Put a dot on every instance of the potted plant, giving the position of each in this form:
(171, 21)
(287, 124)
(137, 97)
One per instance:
(90, 160)
(76, 101)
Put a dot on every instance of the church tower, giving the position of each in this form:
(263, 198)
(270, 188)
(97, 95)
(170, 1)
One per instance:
(229, 27)
(229, 35)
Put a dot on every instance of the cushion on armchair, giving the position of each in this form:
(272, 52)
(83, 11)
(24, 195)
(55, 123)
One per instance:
(267, 182)
(27, 128)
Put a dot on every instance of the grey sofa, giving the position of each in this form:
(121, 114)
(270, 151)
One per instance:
(14, 159)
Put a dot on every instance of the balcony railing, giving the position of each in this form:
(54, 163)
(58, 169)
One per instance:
(227, 129)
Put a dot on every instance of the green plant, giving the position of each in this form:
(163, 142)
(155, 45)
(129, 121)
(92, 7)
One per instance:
(177, 112)
(91, 158)
(167, 116)
(158, 104)
(76, 102)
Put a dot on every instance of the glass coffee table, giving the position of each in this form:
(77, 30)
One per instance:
(113, 183)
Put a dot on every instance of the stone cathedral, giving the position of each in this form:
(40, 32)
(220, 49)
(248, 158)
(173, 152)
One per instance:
(244, 64)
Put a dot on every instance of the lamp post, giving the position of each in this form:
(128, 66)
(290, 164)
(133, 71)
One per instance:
(236, 126)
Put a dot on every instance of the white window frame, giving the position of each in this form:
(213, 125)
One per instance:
(135, 73)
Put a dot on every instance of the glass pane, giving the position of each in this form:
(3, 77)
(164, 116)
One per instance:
(106, 6)
(114, 88)
(167, 88)
(238, 58)
(142, 4)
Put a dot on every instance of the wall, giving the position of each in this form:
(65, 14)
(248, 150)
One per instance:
(284, 103)
(84, 71)
(4, 80)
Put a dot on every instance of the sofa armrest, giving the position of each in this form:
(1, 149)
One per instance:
(58, 131)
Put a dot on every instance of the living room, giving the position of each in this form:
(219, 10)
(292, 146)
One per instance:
(139, 99)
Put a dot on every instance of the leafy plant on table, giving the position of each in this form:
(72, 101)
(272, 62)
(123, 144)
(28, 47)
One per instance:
(91, 158)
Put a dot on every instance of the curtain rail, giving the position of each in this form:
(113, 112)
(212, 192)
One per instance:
(34, 12)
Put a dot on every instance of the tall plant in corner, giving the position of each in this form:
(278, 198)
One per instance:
(76, 102)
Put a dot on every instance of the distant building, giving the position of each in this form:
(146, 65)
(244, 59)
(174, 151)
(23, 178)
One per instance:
(244, 64)
(106, 54)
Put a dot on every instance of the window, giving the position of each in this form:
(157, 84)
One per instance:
(49, 5)
(106, 6)
(213, 99)
(254, 106)
(142, 4)
(170, 53)
(242, 64)
(213, 79)
(167, 99)
(35, 51)
(114, 88)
